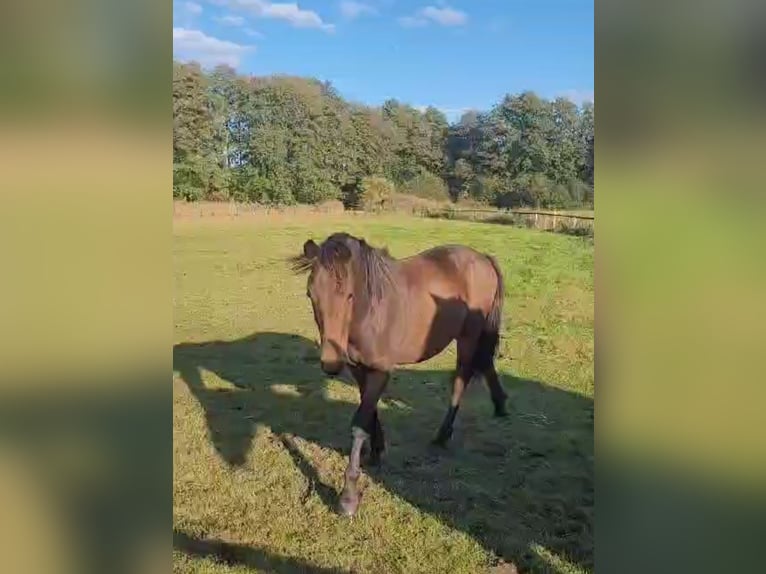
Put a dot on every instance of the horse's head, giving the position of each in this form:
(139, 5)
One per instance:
(331, 290)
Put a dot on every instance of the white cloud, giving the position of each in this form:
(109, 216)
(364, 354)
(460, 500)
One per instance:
(229, 20)
(193, 8)
(208, 51)
(445, 16)
(290, 12)
(578, 97)
(352, 10)
(253, 33)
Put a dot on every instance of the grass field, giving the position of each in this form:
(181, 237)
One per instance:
(261, 435)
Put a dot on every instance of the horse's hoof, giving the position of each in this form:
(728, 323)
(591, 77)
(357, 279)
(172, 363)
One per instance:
(500, 409)
(442, 438)
(375, 460)
(440, 442)
(374, 457)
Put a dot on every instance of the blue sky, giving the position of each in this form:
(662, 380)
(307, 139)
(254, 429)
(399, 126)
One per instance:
(454, 55)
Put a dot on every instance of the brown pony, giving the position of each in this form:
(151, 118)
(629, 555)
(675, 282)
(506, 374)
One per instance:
(375, 312)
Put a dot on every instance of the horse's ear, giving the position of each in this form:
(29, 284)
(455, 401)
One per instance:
(310, 249)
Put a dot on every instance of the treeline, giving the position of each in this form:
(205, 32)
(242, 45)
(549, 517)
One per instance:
(284, 140)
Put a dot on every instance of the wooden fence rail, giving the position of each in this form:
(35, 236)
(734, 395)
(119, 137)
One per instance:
(513, 211)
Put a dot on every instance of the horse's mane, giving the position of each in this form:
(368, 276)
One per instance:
(374, 264)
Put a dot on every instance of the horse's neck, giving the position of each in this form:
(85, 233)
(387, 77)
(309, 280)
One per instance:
(389, 306)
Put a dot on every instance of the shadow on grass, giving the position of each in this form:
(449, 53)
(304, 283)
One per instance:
(512, 484)
(99, 455)
(653, 517)
(240, 555)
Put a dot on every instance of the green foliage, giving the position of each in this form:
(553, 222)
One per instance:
(427, 186)
(283, 140)
(580, 193)
(487, 189)
(375, 193)
(527, 151)
(196, 178)
(372, 193)
(248, 186)
(312, 187)
(461, 178)
(535, 190)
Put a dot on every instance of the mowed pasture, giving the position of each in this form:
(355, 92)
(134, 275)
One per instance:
(261, 435)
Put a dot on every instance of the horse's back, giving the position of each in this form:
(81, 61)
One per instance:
(455, 271)
(447, 287)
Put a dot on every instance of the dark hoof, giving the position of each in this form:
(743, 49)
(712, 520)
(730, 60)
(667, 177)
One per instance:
(500, 409)
(375, 459)
(442, 437)
(373, 455)
(349, 504)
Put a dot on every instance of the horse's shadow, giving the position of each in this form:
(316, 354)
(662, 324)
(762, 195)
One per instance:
(528, 483)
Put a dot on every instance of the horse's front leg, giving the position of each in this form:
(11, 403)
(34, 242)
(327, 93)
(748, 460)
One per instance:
(362, 428)
(349, 498)
(377, 441)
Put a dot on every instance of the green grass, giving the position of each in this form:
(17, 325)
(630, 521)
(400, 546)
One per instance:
(261, 435)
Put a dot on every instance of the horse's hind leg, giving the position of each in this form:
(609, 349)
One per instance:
(463, 374)
(484, 363)
(495, 390)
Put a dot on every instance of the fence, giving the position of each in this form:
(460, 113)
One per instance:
(513, 211)
(565, 222)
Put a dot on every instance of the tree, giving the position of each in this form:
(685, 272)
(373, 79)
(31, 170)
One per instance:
(585, 143)
(463, 177)
(371, 193)
(195, 171)
(286, 139)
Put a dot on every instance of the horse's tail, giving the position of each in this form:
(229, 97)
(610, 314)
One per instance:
(496, 311)
(490, 335)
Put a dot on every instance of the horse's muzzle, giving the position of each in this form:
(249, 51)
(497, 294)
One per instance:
(332, 367)
(332, 357)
